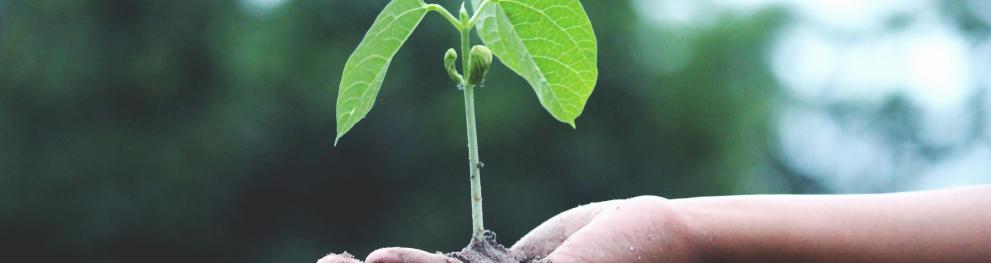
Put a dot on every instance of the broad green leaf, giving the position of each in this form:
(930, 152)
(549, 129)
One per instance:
(550, 43)
(366, 68)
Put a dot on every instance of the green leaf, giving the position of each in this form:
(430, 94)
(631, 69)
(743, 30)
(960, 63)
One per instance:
(366, 68)
(550, 43)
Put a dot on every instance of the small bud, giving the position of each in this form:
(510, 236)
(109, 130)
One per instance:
(450, 60)
(479, 63)
(463, 13)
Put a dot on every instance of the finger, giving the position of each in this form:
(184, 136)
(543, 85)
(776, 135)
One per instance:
(335, 258)
(552, 233)
(589, 244)
(638, 230)
(407, 255)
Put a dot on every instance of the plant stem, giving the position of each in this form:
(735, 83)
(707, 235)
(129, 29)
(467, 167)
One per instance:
(474, 165)
(478, 10)
(444, 13)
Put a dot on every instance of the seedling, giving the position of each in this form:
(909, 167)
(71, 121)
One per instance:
(550, 43)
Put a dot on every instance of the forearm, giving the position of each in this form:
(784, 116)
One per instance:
(936, 226)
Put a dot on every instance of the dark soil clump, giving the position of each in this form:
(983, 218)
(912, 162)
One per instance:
(488, 251)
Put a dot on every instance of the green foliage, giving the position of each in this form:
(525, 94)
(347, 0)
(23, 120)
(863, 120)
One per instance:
(551, 44)
(366, 68)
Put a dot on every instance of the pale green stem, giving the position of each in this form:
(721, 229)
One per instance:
(447, 15)
(474, 17)
(474, 165)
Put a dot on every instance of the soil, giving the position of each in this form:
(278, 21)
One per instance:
(489, 251)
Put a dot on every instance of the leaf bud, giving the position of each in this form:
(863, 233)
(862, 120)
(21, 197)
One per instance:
(479, 62)
(450, 60)
(463, 13)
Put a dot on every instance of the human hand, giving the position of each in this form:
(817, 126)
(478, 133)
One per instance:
(641, 229)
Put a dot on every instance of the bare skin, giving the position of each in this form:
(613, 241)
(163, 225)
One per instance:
(951, 225)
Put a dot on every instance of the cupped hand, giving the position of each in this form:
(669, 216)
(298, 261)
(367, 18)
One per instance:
(641, 229)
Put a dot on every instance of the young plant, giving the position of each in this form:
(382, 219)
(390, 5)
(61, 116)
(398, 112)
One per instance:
(550, 43)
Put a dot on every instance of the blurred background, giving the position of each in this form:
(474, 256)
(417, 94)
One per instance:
(201, 131)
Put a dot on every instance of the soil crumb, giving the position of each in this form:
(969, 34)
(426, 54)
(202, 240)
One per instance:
(488, 251)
